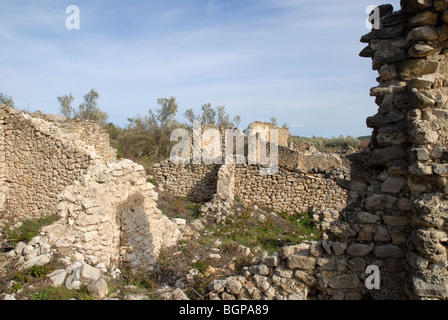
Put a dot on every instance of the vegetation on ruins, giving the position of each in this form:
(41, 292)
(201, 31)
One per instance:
(87, 110)
(6, 100)
(146, 138)
(29, 228)
(328, 144)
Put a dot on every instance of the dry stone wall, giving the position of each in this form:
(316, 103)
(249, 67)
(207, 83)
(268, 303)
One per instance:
(396, 212)
(289, 191)
(106, 209)
(38, 161)
(111, 213)
(196, 182)
(410, 132)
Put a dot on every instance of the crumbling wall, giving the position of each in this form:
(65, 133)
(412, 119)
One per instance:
(395, 219)
(111, 213)
(106, 208)
(196, 182)
(283, 133)
(199, 181)
(289, 191)
(39, 162)
(410, 136)
(40, 155)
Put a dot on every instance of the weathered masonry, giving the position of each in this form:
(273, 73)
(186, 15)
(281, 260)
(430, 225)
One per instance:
(106, 208)
(291, 189)
(397, 216)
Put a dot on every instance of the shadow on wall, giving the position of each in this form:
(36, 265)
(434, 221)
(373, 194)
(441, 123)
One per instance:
(203, 189)
(136, 239)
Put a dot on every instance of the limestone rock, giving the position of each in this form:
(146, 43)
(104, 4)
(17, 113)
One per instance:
(98, 288)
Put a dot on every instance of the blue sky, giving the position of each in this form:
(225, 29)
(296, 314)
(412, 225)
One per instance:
(296, 60)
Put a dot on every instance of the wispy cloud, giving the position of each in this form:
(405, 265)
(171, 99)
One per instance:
(293, 59)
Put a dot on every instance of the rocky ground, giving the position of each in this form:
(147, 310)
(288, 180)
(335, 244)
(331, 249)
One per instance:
(220, 239)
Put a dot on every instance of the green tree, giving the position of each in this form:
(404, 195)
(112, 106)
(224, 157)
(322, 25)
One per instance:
(191, 117)
(223, 117)
(209, 115)
(89, 110)
(7, 100)
(65, 102)
(163, 121)
(164, 116)
(147, 138)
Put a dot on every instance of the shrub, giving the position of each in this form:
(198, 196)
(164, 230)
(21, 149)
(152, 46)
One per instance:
(30, 228)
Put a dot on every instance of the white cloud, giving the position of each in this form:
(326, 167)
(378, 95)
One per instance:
(263, 63)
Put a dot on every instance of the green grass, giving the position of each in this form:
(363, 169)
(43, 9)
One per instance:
(61, 293)
(36, 272)
(270, 235)
(30, 228)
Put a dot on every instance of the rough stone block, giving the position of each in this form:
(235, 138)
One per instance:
(301, 262)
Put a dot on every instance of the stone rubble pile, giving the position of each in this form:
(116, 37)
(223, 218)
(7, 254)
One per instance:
(111, 213)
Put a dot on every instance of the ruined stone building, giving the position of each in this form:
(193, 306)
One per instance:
(386, 207)
(106, 208)
(390, 210)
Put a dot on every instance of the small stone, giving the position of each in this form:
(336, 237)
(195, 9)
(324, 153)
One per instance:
(217, 285)
(380, 202)
(338, 247)
(89, 273)
(388, 72)
(273, 260)
(357, 264)
(422, 34)
(179, 295)
(365, 217)
(214, 256)
(19, 248)
(98, 288)
(359, 249)
(420, 50)
(38, 261)
(9, 297)
(344, 282)
(57, 277)
(260, 269)
(135, 297)
(301, 262)
(396, 221)
(388, 251)
(393, 185)
(234, 286)
(179, 221)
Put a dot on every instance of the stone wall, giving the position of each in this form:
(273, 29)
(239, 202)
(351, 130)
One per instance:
(38, 161)
(291, 189)
(283, 133)
(397, 208)
(410, 136)
(107, 210)
(110, 213)
(196, 182)
(288, 191)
